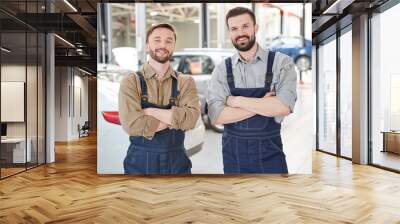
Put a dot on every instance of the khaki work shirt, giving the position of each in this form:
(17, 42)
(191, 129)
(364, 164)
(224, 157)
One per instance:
(184, 115)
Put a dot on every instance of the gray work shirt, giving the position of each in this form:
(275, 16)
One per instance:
(252, 75)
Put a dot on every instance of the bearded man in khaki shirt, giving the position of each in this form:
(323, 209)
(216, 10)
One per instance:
(156, 106)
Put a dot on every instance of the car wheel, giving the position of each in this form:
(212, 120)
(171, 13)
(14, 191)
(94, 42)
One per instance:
(303, 63)
(217, 128)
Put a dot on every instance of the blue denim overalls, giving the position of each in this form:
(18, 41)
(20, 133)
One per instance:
(165, 152)
(253, 145)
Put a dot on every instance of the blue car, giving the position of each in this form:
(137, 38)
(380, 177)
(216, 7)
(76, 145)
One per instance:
(293, 46)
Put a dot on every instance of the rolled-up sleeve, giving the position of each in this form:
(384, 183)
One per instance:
(131, 115)
(187, 112)
(286, 88)
(217, 92)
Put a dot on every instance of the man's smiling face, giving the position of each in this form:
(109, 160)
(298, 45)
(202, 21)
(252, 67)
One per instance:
(242, 31)
(161, 44)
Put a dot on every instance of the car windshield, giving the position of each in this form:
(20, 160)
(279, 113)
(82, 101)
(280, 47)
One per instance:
(193, 64)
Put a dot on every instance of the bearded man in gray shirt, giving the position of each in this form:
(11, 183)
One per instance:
(250, 93)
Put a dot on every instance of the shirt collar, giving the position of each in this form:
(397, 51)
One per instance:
(261, 54)
(150, 73)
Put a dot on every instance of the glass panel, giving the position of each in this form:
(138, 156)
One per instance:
(41, 98)
(272, 23)
(327, 97)
(394, 102)
(31, 98)
(281, 29)
(385, 89)
(31, 87)
(216, 14)
(345, 94)
(20, 87)
(185, 17)
(13, 86)
(282, 20)
(213, 23)
(123, 44)
(17, 6)
(124, 25)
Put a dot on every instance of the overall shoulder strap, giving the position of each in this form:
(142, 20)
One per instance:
(269, 75)
(174, 90)
(229, 73)
(143, 86)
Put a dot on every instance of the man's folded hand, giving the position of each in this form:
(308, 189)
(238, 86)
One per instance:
(231, 101)
(162, 126)
(269, 94)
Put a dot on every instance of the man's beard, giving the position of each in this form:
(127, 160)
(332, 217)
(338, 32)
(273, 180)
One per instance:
(245, 46)
(160, 59)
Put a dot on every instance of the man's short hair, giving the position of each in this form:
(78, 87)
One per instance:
(237, 11)
(161, 25)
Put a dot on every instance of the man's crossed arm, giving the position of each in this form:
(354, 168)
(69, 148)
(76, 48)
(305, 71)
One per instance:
(163, 115)
(239, 108)
(183, 116)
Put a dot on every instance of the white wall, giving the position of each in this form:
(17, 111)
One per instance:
(61, 103)
(70, 83)
(80, 100)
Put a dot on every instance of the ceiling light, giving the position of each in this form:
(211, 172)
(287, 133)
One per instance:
(65, 41)
(5, 50)
(86, 72)
(70, 5)
(337, 7)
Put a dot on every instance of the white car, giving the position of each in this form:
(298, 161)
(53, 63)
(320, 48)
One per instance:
(200, 63)
(112, 141)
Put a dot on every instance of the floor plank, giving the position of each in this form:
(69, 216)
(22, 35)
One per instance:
(70, 191)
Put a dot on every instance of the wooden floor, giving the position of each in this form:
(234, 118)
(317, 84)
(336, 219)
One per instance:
(70, 191)
(10, 171)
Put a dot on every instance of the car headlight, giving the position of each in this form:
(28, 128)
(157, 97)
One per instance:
(303, 63)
